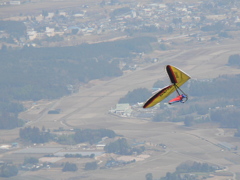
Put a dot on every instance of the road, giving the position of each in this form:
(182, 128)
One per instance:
(90, 106)
(89, 109)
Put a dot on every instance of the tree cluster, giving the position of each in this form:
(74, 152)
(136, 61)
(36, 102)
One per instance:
(227, 117)
(9, 120)
(208, 97)
(119, 12)
(195, 167)
(122, 147)
(92, 135)
(32, 73)
(8, 170)
(176, 176)
(91, 166)
(218, 26)
(135, 96)
(9, 114)
(79, 156)
(186, 171)
(234, 60)
(30, 160)
(69, 167)
(225, 86)
(119, 146)
(237, 134)
(35, 135)
(14, 28)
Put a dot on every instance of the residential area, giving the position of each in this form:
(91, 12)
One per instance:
(167, 21)
(69, 122)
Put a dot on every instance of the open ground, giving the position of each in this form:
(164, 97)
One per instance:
(89, 109)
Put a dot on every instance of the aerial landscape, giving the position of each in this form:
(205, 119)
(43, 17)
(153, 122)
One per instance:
(75, 75)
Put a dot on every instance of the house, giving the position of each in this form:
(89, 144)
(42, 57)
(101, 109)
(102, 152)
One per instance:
(15, 2)
(122, 110)
(32, 34)
(49, 31)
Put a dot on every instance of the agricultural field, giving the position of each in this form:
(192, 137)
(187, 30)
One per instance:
(89, 109)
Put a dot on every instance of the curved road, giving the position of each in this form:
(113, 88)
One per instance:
(89, 109)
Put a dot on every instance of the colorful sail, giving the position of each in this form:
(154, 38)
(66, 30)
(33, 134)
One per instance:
(177, 78)
(176, 75)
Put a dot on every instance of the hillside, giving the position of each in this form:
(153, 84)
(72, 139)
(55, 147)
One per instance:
(58, 89)
(183, 143)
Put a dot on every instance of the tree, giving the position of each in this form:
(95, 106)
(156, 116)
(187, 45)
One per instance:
(234, 59)
(92, 135)
(224, 34)
(30, 160)
(31, 73)
(237, 134)
(170, 30)
(149, 176)
(91, 166)
(103, 3)
(188, 121)
(34, 135)
(119, 147)
(188, 167)
(218, 27)
(4, 48)
(177, 20)
(8, 170)
(135, 96)
(14, 28)
(92, 156)
(74, 31)
(44, 13)
(113, 2)
(69, 167)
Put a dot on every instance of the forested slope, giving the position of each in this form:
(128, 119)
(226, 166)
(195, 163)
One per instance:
(32, 73)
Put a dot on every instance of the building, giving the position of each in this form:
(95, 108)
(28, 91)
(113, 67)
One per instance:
(15, 2)
(226, 146)
(122, 110)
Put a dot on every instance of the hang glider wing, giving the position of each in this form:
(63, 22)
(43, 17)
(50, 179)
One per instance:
(177, 78)
(159, 96)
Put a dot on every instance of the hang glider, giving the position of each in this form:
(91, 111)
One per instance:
(177, 78)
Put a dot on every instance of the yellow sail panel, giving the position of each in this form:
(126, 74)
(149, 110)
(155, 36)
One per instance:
(177, 78)
(176, 75)
(159, 96)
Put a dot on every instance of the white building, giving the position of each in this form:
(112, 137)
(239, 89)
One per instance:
(15, 2)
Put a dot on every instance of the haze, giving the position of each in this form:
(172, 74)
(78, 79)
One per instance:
(74, 76)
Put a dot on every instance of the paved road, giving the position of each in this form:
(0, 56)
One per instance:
(89, 109)
(90, 106)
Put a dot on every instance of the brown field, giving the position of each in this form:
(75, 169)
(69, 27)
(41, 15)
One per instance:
(89, 109)
(36, 6)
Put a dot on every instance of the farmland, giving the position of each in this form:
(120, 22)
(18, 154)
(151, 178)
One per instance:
(89, 109)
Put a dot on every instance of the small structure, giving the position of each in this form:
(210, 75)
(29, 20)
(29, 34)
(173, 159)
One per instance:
(122, 110)
(82, 153)
(15, 2)
(226, 146)
(5, 146)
